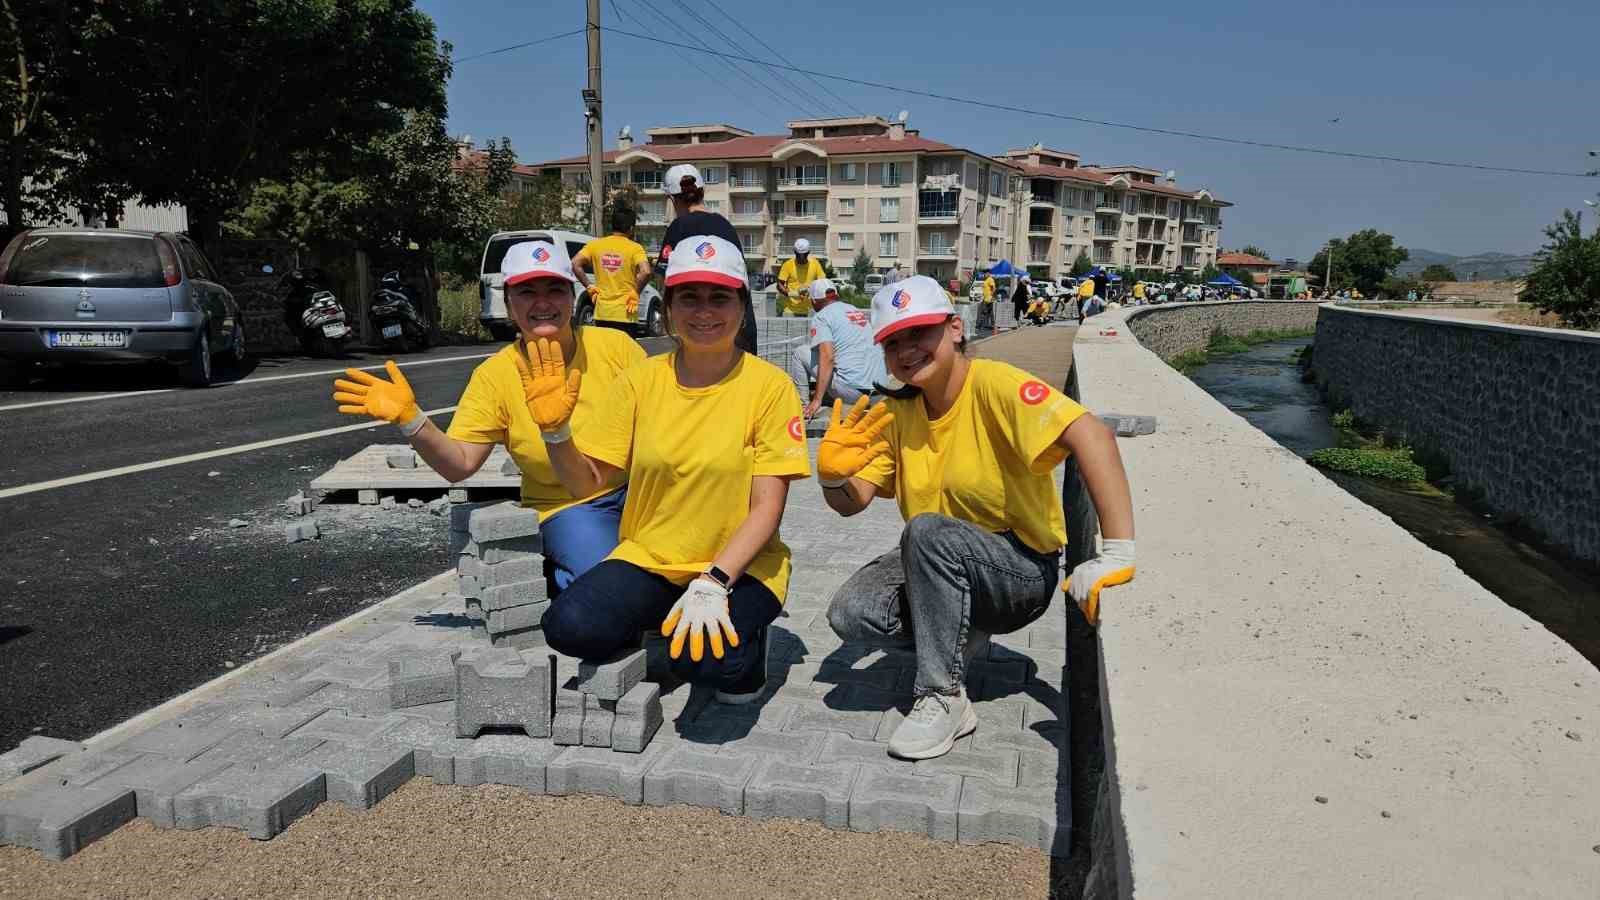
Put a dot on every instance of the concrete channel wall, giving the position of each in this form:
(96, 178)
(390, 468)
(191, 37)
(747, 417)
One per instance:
(1514, 410)
(1296, 697)
(1174, 328)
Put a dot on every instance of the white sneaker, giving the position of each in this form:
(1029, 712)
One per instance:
(936, 720)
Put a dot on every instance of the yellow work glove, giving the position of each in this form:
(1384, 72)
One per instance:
(633, 307)
(550, 390)
(700, 614)
(1113, 566)
(848, 446)
(368, 395)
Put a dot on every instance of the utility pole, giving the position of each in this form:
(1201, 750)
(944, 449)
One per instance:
(1327, 280)
(592, 120)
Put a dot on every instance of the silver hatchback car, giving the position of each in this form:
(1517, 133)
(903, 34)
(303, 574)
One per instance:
(87, 294)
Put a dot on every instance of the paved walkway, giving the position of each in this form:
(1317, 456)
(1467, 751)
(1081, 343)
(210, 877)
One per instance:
(314, 723)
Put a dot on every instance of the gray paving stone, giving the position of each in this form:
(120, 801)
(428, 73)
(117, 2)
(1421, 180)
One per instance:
(796, 748)
(156, 782)
(59, 820)
(597, 770)
(299, 504)
(496, 552)
(638, 718)
(256, 749)
(469, 565)
(566, 728)
(1043, 739)
(176, 741)
(1043, 768)
(357, 676)
(461, 513)
(998, 766)
(611, 679)
(417, 679)
(457, 495)
(1021, 815)
(514, 760)
(338, 725)
(837, 748)
(884, 800)
(781, 789)
(366, 701)
(303, 530)
(260, 801)
(359, 777)
(401, 459)
(504, 694)
(531, 638)
(32, 753)
(521, 570)
(694, 777)
(816, 715)
(82, 768)
(772, 713)
(882, 677)
(598, 718)
(506, 520)
(993, 715)
(1049, 631)
(1012, 671)
(367, 497)
(434, 744)
(443, 712)
(513, 618)
(271, 721)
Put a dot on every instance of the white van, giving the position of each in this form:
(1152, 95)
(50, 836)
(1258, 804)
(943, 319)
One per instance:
(491, 287)
(872, 283)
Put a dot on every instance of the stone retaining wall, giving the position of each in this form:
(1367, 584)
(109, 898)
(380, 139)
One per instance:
(1514, 410)
(1173, 328)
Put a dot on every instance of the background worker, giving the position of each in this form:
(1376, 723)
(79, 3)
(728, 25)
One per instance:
(794, 280)
(968, 457)
(687, 192)
(1086, 289)
(840, 359)
(615, 269)
(708, 437)
(1019, 299)
(986, 311)
(577, 533)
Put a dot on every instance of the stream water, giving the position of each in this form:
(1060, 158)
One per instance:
(1263, 385)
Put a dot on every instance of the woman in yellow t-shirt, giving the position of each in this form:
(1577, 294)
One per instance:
(709, 438)
(576, 534)
(967, 452)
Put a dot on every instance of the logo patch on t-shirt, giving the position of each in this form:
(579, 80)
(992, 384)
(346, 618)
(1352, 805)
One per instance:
(611, 262)
(857, 318)
(813, 332)
(1033, 392)
(797, 429)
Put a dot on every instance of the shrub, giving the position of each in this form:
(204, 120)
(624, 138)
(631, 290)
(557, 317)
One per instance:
(1344, 419)
(1389, 463)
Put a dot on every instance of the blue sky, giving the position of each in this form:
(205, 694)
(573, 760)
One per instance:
(1502, 84)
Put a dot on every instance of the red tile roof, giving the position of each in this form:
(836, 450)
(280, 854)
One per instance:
(760, 146)
(1233, 258)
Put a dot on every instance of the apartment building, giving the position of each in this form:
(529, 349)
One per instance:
(866, 184)
(1129, 217)
(847, 185)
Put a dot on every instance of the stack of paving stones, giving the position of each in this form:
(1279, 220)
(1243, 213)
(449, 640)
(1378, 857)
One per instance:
(501, 574)
(354, 713)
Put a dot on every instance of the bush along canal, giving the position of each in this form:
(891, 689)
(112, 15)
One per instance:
(1263, 382)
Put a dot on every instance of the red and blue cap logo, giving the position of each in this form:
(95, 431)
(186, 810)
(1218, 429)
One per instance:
(540, 254)
(705, 250)
(901, 299)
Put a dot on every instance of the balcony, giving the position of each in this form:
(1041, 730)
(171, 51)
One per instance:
(1106, 234)
(804, 184)
(938, 207)
(943, 251)
(1109, 204)
(748, 218)
(647, 185)
(653, 217)
(810, 218)
(1191, 237)
(747, 185)
(754, 252)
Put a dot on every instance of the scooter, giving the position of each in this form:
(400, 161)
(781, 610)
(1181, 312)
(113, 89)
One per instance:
(314, 315)
(396, 318)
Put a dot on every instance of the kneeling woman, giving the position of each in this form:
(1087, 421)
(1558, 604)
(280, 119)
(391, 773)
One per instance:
(576, 534)
(708, 438)
(968, 456)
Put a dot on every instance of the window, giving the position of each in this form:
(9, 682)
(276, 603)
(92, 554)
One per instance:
(746, 206)
(994, 216)
(811, 174)
(847, 240)
(889, 209)
(1172, 209)
(648, 178)
(938, 204)
(938, 244)
(711, 174)
(892, 173)
(750, 242)
(748, 176)
(614, 177)
(889, 244)
(808, 209)
(847, 206)
(1066, 224)
(850, 173)
(997, 183)
(714, 206)
(994, 248)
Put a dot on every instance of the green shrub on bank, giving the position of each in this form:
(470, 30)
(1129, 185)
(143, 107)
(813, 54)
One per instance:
(1189, 360)
(1391, 463)
(1344, 419)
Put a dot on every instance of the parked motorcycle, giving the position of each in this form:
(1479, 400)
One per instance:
(313, 314)
(396, 318)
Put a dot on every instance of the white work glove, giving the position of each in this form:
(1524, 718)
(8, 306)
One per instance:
(702, 608)
(1113, 566)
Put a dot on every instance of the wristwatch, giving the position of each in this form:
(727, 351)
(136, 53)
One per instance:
(716, 574)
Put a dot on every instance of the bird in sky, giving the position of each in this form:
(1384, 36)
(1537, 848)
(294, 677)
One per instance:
(1334, 121)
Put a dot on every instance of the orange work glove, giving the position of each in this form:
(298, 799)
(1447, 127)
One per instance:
(847, 447)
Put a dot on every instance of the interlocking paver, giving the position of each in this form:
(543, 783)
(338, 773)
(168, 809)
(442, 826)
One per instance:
(838, 748)
(260, 801)
(510, 759)
(998, 766)
(600, 770)
(505, 688)
(338, 725)
(1045, 738)
(612, 678)
(359, 777)
(821, 793)
(885, 800)
(32, 753)
(694, 777)
(156, 781)
(59, 820)
(637, 718)
(416, 679)
(598, 717)
(1030, 816)
(795, 748)
(175, 740)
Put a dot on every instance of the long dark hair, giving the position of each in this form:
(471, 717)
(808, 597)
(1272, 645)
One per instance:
(691, 192)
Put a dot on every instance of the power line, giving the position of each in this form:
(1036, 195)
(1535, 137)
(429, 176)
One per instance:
(755, 105)
(701, 48)
(544, 40)
(774, 51)
(817, 105)
(1170, 132)
(718, 32)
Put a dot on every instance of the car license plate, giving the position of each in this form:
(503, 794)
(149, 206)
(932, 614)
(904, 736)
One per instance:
(88, 338)
(333, 331)
(391, 331)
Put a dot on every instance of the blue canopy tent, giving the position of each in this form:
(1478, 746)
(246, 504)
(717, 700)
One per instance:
(1225, 280)
(1002, 268)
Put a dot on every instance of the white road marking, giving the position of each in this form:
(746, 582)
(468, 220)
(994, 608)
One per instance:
(194, 457)
(246, 381)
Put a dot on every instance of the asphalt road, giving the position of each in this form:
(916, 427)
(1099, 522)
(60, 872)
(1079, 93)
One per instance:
(119, 593)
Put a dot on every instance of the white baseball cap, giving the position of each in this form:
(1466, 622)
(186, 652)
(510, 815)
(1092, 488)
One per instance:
(536, 259)
(802, 246)
(821, 288)
(707, 258)
(918, 300)
(673, 181)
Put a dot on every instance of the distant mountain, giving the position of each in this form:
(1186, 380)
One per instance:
(1478, 267)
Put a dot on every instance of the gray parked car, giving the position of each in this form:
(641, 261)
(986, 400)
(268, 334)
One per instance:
(87, 294)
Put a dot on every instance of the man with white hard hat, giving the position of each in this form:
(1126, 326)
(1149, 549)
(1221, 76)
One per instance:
(839, 357)
(794, 280)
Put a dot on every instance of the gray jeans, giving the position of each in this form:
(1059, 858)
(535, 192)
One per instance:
(836, 386)
(946, 578)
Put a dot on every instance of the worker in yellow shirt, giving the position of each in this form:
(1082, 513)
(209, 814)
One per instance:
(966, 450)
(708, 438)
(1085, 296)
(794, 280)
(577, 531)
(615, 269)
(1138, 293)
(986, 311)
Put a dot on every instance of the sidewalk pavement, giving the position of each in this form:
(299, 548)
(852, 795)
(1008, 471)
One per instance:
(267, 744)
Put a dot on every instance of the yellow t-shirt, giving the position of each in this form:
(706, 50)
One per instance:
(613, 261)
(798, 282)
(690, 455)
(493, 410)
(1138, 291)
(988, 290)
(1086, 288)
(987, 461)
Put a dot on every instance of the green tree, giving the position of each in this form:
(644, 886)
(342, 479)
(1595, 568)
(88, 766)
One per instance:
(1566, 275)
(1244, 276)
(1438, 272)
(1082, 264)
(1209, 273)
(860, 268)
(1364, 260)
(1253, 250)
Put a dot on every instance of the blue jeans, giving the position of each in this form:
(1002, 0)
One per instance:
(579, 537)
(605, 610)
